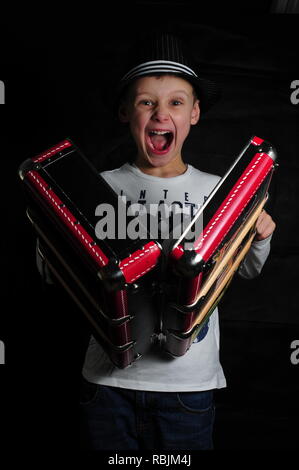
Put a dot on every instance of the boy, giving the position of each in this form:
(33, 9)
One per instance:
(160, 402)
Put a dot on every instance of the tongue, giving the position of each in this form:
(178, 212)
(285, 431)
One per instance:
(159, 141)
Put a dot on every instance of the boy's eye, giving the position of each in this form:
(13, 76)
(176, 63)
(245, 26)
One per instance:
(176, 102)
(146, 102)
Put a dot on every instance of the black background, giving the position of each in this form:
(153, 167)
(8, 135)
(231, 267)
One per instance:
(59, 83)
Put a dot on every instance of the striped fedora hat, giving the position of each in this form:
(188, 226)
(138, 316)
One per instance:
(163, 53)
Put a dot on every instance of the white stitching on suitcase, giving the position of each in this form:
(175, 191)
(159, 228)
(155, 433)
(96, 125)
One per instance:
(136, 257)
(143, 272)
(65, 215)
(229, 201)
(151, 248)
(244, 206)
(43, 156)
(133, 260)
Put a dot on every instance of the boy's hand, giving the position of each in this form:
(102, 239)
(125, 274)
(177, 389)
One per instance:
(265, 226)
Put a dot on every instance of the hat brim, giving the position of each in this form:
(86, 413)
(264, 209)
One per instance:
(206, 91)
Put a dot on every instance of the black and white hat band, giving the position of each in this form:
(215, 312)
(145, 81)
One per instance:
(165, 53)
(158, 66)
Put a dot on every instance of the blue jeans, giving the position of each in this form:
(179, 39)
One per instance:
(121, 419)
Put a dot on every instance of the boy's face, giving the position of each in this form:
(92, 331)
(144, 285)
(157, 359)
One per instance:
(160, 111)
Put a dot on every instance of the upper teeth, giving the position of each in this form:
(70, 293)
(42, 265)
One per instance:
(159, 132)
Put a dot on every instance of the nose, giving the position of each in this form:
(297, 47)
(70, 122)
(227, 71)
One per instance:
(160, 114)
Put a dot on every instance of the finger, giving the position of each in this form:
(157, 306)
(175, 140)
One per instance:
(265, 228)
(262, 220)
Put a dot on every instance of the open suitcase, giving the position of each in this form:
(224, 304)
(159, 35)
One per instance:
(203, 261)
(64, 190)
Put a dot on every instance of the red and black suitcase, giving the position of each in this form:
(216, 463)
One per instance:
(102, 276)
(203, 261)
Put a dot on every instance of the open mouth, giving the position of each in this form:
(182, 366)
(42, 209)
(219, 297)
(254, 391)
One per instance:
(160, 140)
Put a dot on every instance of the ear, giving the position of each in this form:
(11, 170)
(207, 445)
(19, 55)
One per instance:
(195, 114)
(123, 112)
